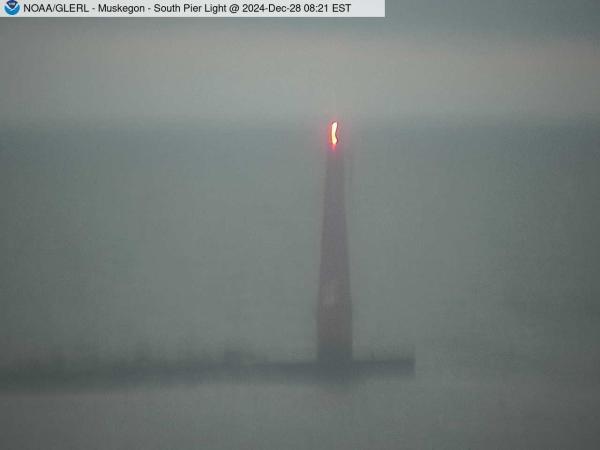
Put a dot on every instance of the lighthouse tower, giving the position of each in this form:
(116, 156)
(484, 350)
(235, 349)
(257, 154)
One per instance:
(334, 306)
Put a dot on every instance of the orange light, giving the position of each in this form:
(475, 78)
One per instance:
(334, 139)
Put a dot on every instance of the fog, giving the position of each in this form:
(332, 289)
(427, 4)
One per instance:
(162, 184)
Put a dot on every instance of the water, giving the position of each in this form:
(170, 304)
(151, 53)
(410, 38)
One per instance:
(426, 412)
(474, 245)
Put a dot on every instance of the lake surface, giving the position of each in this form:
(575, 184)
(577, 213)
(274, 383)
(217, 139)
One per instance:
(473, 245)
(429, 411)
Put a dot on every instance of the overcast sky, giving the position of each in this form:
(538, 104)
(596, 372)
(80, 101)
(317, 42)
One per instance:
(459, 58)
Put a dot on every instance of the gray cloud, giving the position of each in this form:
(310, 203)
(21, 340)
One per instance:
(222, 71)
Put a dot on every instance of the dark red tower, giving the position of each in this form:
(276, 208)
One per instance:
(334, 308)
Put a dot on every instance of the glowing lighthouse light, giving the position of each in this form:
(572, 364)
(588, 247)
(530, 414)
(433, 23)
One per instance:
(334, 139)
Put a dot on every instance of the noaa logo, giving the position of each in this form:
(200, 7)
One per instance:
(12, 7)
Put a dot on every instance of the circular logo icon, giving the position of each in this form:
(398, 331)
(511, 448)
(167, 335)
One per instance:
(12, 7)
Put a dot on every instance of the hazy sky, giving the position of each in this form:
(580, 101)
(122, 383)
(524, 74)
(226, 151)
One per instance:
(535, 59)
